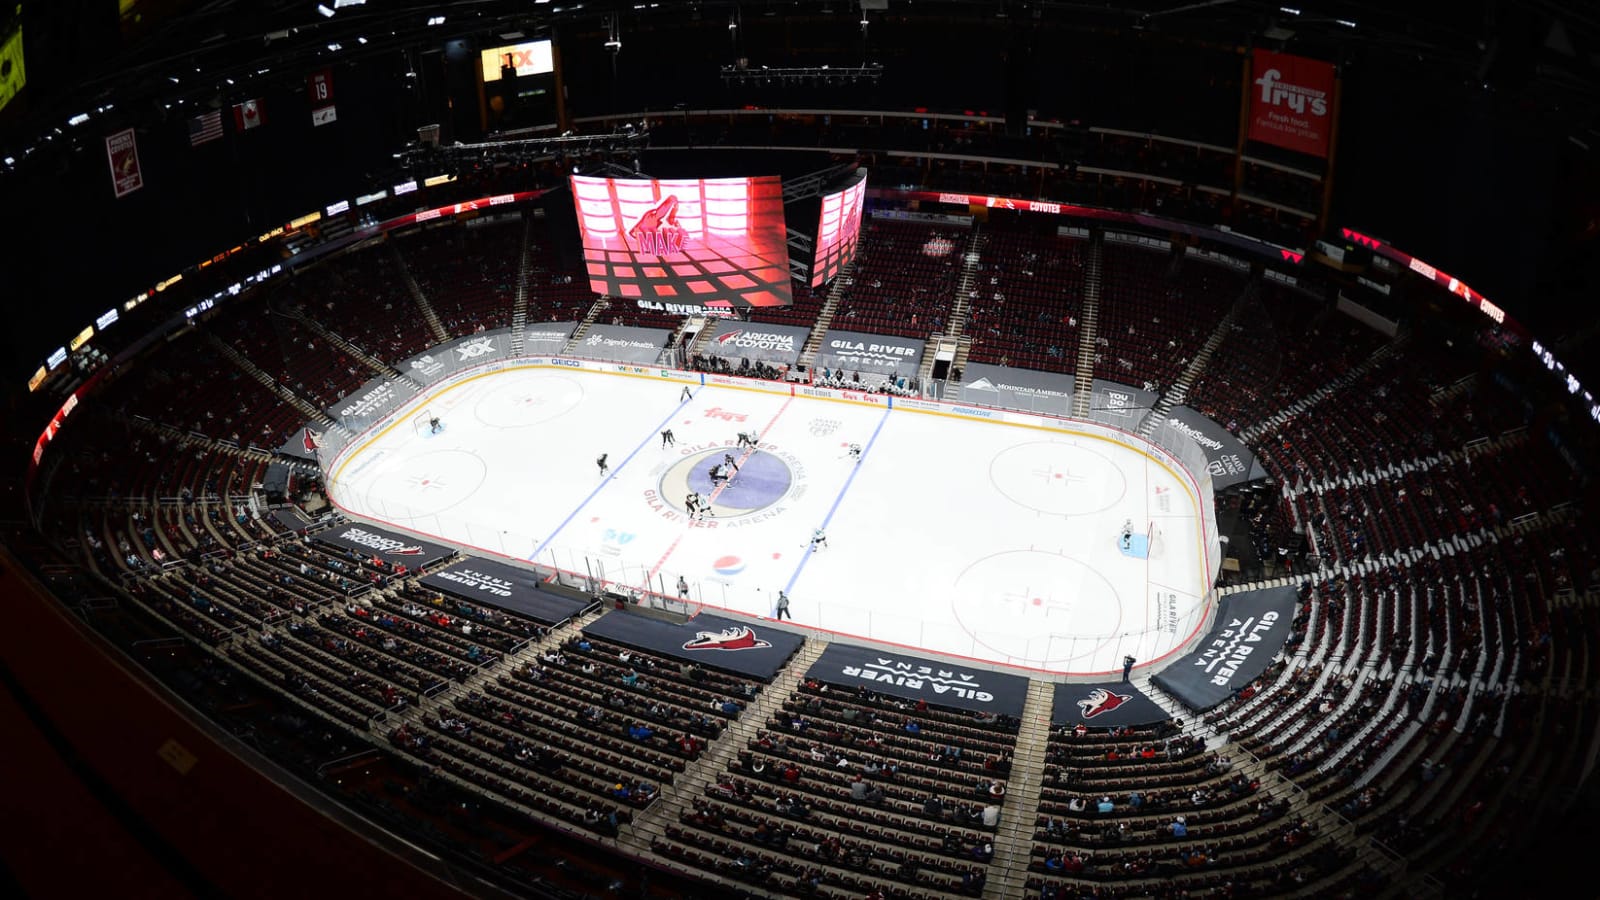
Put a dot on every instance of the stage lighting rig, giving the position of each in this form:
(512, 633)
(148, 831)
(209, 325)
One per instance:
(626, 140)
(802, 75)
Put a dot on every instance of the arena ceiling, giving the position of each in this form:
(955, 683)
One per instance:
(1549, 48)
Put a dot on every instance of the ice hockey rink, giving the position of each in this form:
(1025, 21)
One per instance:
(987, 541)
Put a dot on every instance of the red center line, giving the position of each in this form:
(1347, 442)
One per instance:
(717, 491)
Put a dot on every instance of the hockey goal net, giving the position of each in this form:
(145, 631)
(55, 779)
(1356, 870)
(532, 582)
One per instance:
(422, 423)
(1152, 541)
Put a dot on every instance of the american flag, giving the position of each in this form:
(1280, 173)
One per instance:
(205, 127)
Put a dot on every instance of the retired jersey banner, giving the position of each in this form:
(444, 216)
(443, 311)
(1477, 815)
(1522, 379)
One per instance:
(1115, 704)
(122, 151)
(319, 90)
(1292, 102)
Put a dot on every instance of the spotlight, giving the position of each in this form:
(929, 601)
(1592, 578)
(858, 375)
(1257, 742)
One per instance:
(325, 9)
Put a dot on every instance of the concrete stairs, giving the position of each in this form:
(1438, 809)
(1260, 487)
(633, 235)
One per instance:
(283, 392)
(519, 302)
(1090, 329)
(1179, 391)
(428, 315)
(677, 797)
(960, 308)
(808, 353)
(185, 440)
(595, 309)
(332, 337)
(698, 345)
(1013, 840)
(1252, 434)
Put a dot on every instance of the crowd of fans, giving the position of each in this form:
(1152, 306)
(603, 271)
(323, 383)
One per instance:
(1432, 611)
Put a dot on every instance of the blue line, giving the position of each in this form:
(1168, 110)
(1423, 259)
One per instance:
(607, 479)
(854, 470)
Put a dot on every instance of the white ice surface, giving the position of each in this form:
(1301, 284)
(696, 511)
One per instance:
(989, 541)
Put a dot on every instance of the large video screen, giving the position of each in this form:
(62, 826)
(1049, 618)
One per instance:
(838, 229)
(686, 241)
(532, 58)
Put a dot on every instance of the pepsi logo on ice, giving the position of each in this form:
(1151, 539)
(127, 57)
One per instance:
(728, 566)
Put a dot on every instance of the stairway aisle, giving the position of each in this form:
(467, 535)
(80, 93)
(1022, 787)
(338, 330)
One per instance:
(421, 299)
(808, 353)
(1013, 842)
(1090, 332)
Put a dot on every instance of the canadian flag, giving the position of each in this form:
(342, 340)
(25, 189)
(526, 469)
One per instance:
(248, 115)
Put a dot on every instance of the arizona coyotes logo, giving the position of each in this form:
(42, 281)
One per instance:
(658, 231)
(737, 637)
(310, 440)
(1100, 701)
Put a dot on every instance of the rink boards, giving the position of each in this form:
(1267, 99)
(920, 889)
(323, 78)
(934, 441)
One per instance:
(893, 535)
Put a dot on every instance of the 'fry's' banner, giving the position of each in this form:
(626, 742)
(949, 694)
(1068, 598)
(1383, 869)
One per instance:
(1292, 102)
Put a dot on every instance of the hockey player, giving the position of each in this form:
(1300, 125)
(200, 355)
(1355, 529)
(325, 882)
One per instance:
(601, 462)
(818, 539)
(683, 588)
(1127, 534)
(855, 452)
(667, 438)
(728, 463)
(685, 395)
(433, 425)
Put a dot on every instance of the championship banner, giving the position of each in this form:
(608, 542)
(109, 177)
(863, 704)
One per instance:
(622, 343)
(1116, 704)
(874, 354)
(916, 678)
(473, 351)
(122, 151)
(369, 541)
(1291, 105)
(1250, 629)
(504, 587)
(1119, 404)
(1228, 460)
(773, 344)
(1007, 388)
(710, 641)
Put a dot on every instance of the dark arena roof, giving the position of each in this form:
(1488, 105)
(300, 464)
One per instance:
(1335, 260)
